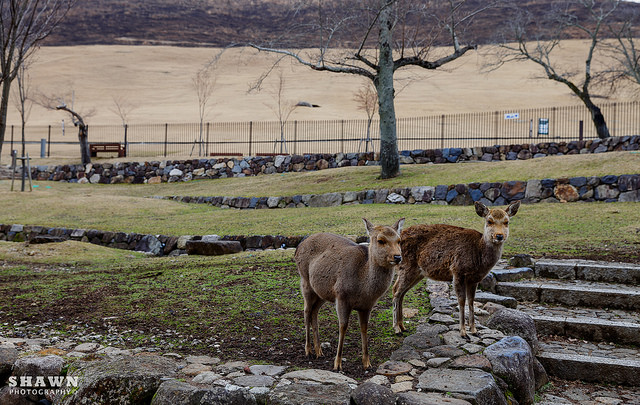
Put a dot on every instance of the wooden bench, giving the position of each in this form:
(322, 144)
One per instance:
(94, 148)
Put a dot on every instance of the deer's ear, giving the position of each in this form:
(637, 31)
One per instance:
(481, 209)
(368, 225)
(399, 225)
(512, 209)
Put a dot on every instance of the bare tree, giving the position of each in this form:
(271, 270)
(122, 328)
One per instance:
(123, 107)
(79, 120)
(391, 35)
(624, 50)
(282, 108)
(22, 99)
(367, 100)
(203, 83)
(537, 40)
(24, 24)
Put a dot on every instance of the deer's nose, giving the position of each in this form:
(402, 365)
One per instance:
(499, 237)
(397, 259)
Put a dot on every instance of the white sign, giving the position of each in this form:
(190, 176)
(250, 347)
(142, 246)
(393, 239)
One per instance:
(512, 116)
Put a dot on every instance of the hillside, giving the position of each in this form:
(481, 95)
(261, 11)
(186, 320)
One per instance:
(223, 22)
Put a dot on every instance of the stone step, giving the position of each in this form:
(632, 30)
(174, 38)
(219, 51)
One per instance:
(595, 325)
(589, 270)
(573, 293)
(603, 363)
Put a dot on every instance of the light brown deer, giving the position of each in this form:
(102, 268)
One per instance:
(450, 253)
(335, 269)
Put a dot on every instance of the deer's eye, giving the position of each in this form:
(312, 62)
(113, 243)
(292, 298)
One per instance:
(490, 222)
(381, 241)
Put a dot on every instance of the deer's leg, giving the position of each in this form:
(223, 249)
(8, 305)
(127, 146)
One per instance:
(459, 285)
(471, 296)
(364, 325)
(406, 280)
(343, 322)
(312, 304)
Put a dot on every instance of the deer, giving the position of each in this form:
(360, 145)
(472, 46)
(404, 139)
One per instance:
(450, 253)
(335, 269)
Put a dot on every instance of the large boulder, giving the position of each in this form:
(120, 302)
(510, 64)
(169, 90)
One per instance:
(174, 392)
(513, 361)
(514, 322)
(38, 366)
(129, 380)
(8, 356)
(213, 248)
(372, 394)
(475, 386)
(150, 244)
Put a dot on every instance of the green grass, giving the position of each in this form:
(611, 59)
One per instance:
(249, 304)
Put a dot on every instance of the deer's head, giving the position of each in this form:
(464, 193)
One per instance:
(496, 221)
(384, 243)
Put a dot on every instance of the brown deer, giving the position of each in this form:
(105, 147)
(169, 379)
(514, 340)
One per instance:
(445, 253)
(335, 269)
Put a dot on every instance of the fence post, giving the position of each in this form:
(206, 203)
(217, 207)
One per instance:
(49, 143)
(442, 131)
(11, 137)
(166, 131)
(496, 120)
(341, 136)
(250, 136)
(295, 137)
(581, 130)
(206, 146)
(126, 143)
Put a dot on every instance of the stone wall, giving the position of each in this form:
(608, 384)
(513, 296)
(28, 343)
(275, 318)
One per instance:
(185, 170)
(611, 188)
(157, 245)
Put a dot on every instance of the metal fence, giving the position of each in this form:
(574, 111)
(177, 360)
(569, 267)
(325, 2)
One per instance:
(553, 124)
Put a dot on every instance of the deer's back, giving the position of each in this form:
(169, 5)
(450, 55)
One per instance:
(440, 249)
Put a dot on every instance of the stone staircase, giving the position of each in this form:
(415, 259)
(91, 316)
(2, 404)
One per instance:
(587, 315)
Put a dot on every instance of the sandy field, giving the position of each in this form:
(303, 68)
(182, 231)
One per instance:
(157, 82)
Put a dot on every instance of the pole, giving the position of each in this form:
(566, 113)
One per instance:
(166, 130)
(581, 130)
(250, 136)
(49, 142)
(206, 146)
(126, 144)
(442, 131)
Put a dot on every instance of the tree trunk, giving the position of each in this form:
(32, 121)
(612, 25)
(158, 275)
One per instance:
(4, 106)
(389, 161)
(83, 137)
(598, 119)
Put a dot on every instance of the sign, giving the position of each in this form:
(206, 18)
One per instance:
(512, 116)
(543, 126)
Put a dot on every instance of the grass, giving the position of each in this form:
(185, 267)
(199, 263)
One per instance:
(248, 306)
(244, 306)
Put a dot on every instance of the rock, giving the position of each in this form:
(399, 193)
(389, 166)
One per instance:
(513, 322)
(472, 361)
(326, 200)
(208, 360)
(513, 361)
(9, 396)
(150, 244)
(293, 394)
(175, 392)
(428, 398)
(566, 193)
(267, 370)
(182, 241)
(194, 369)
(393, 368)
(206, 377)
(254, 381)
(478, 386)
(87, 347)
(130, 380)
(155, 180)
(372, 394)
(38, 366)
(320, 376)
(94, 179)
(8, 356)
(395, 198)
(175, 172)
(217, 248)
